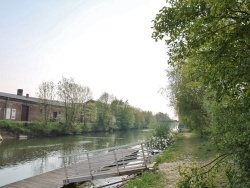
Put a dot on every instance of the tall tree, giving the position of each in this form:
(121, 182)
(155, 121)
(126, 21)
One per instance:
(73, 96)
(211, 39)
(84, 96)
(104, 116)
(127, 116)
(161, 117)
(46, 95)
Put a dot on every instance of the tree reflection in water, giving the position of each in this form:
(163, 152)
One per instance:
(39, 155)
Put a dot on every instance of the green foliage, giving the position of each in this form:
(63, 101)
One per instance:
(199, 175)
(115, 114)
(146, 180)
(208, 44)
(169, 154)
(162, 136)
(73, 97)
(162, 130)
(188, 97)
(105, 114)
(14, 126)
(161, 117)
(36, 128)
(46, 95)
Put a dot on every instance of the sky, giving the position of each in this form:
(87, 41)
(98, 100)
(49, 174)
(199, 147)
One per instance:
(103, 44)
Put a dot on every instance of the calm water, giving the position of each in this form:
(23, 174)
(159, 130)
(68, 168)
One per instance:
(21, 159)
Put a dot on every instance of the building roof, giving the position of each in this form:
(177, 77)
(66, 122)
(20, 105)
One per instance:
(20, 97)
(33, 99)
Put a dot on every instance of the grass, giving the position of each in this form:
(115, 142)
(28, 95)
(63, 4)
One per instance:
(148, 179)
(188, 146)
(33, 128)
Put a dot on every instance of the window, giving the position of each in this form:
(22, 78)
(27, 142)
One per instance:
(13, 113)
(7, 113)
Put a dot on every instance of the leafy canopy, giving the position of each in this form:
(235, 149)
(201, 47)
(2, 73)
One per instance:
(208, 46)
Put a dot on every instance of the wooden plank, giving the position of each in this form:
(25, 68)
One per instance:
(13, 185)
(33, 184)
(106, 181)
(22, 184)
(129, 171)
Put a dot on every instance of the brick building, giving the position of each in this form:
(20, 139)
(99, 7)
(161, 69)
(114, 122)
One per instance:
(23, 108)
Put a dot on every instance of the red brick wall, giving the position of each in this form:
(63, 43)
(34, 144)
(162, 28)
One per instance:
(2, 107)
(34, 113)
(13, 104)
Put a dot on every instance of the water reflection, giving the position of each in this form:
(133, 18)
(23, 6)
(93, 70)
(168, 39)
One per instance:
(21, 159)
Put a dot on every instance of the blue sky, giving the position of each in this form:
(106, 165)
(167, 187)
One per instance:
(103, 44)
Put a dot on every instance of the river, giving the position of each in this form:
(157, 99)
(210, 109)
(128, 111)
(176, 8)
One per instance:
(20, 159)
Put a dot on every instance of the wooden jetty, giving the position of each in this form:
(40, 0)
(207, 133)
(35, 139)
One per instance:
(87, 166)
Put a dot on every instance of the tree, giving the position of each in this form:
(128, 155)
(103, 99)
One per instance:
(213, 35)
(46, 95)
(149, 120)
(127, 116)
(139, 120)
(73, 96)
(104, 116)
(209, 47)
(188, 98)
(84, 96)
(161, 117)
(89, 112)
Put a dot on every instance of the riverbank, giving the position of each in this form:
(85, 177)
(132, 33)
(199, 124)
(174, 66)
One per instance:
(13, 129)
(16, 129)
(187, 149)
(4, 134)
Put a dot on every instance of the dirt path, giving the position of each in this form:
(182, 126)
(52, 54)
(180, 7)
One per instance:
(187, 153)
(171, 173)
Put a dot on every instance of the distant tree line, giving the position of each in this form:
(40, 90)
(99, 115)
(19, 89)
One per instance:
(81, 113)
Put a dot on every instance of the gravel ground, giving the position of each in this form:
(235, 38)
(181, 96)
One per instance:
(171, 173)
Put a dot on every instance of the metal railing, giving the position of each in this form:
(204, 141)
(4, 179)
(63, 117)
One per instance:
(108, 162)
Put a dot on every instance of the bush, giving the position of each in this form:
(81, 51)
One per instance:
(162, 136)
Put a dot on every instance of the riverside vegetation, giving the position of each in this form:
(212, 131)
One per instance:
(177, 164)
(137, 118)
(79, 113)
(77, 107)
(208, 44)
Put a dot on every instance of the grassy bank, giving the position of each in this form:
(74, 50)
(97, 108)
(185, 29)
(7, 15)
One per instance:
(188, 147)
(36, 128)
